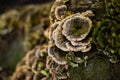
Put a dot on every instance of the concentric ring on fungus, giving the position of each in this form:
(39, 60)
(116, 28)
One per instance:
(70, 33)
(76, 28)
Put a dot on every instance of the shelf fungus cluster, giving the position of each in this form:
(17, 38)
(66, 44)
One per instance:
(75, 26)
(69, 33)
(32, 66)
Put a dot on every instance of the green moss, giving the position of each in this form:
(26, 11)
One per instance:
(106, 34)
(116, 5)
(73, 60)
(113, 9)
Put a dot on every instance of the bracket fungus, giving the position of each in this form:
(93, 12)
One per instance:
(70, 33)
(60, 11)
(53, 8)
(56, 54)
(57, 71)
(33, 66)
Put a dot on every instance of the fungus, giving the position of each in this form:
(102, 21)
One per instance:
(60, 12)
(56, 55)
(52, 12)
(59, 39)
(53, 27)
(31, 57)
(57, 70)
(32, 67)
(22, 73)
(70, 33)
(76, 28)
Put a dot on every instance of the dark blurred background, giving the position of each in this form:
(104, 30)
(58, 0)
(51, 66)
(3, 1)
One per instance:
(22, 26)
(7, 4)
